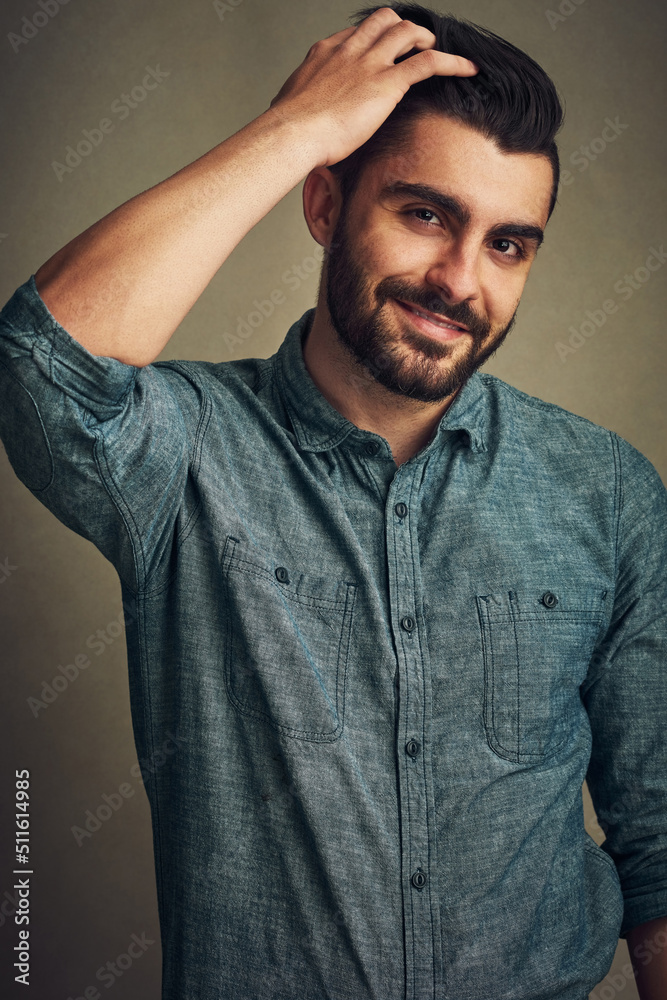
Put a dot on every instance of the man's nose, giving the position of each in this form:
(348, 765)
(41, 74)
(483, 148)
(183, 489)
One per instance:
(456, 273)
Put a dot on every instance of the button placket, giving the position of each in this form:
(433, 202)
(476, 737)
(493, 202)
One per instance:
(416, 806)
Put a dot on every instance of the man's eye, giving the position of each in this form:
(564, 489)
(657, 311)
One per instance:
(508, 248)
(424, 215)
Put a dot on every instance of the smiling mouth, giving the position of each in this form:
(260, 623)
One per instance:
(435, 318)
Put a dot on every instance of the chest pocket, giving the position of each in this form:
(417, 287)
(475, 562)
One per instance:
(537, 646)
(287, 641)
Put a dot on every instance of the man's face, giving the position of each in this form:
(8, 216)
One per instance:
(430, 255)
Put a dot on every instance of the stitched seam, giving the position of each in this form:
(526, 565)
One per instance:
(618, 500)
(41, 489)
(202, 427)
(371, 475)
(561, 617)
(600, 855)
(518, 681)
(148, 722)
(99, 451)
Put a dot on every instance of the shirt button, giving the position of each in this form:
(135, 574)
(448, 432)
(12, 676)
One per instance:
(419, 879)
(408, 623)
(401, 510)
(282, 575)
(412, 747)
(549, 600)
(372, 447)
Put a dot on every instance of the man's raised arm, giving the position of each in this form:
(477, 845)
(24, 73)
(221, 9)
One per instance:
(122, 287)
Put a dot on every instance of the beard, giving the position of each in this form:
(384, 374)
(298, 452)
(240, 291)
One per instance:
(372, 342)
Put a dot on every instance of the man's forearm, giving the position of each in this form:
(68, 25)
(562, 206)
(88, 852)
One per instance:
(647, 944)
(123, 286)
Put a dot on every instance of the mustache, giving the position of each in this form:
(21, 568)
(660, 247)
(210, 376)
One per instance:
(458, 312)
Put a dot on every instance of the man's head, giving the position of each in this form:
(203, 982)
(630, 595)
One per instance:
(438, 217)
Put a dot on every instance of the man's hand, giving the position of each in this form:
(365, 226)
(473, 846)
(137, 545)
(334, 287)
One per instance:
(349, 83)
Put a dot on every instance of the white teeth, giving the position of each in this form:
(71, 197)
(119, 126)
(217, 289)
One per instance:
(449, 326)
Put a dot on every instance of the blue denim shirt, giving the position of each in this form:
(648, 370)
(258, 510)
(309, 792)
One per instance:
(387, 685)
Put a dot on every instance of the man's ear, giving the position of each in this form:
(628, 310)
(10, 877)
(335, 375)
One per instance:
(321, 204)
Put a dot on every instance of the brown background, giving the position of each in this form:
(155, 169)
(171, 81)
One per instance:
(607, 59)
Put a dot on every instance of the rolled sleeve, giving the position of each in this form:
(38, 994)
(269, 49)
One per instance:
(626, 697)
(106, 446)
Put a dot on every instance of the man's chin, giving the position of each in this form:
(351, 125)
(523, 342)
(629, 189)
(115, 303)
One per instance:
(412, 381)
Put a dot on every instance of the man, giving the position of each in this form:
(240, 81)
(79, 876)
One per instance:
(395, 610)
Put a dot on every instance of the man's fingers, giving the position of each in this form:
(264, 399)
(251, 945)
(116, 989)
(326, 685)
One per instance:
(339, 37)
(401, 38)
(373, 27)
(390, 37)
(431, 63)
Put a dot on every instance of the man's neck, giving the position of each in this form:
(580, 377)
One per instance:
(406, 424)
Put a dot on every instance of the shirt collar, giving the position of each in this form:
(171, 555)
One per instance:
(318, 426)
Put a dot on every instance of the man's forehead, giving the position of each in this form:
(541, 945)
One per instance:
(448, 156)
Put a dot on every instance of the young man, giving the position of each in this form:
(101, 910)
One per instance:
(395, 610)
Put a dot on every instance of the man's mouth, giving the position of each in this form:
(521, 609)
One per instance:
(434, 323)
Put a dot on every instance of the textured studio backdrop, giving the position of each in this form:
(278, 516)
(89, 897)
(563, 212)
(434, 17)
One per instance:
(103, 100)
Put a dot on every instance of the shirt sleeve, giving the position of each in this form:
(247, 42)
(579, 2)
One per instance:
(626, 697)
(106, 446)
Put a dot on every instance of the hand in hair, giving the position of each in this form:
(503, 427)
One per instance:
(350, 83)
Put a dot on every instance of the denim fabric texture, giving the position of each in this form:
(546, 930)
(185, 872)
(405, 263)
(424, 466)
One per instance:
(386, 685)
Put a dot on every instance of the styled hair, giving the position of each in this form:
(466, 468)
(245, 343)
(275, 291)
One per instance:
(511, 100)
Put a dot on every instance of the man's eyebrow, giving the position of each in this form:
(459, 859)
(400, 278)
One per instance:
(422, 192)
(456, 208)
(532, 233)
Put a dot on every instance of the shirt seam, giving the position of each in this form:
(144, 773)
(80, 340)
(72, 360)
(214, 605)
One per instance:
(99, 451)
(148, 723)
(618, 498)
(35, 489)
(617, 515)
(202, 427)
